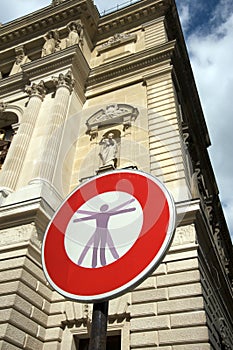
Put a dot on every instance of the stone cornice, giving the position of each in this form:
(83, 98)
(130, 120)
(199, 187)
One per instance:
(49, 17)
(37, 209)
(132, 15)
(131, 63)
(62, 60)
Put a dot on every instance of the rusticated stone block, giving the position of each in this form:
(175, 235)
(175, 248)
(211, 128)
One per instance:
(186, 290)
(149, 283)
(22, 305)
(4, 345)
(8, 288)
(178, 266)
(179, 336)
(54, 334)
(11, 275)
(144, 339)
(32, 343)
(30, 295)
(150, 323)
(11, 263)
(39, 316)
(192, 347)
(149, 295)
(6, 332)
(52, 345)
(160, 270)
(196, 318)
(139, 310)
(181, 305)
(178, 278)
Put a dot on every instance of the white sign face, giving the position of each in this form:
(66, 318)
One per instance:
(107, 225)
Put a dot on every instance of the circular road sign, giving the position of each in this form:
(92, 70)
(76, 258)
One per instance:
(108, 235)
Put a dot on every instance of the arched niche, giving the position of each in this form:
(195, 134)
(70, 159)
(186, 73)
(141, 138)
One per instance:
(112, 114)
(8, 125)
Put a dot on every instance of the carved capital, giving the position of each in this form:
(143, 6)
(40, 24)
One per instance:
(64, 80)
(36, 89)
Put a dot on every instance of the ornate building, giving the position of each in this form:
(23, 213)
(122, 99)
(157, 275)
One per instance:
(81, 93)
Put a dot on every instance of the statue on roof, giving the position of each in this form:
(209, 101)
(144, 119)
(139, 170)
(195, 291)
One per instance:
(52, 43)
(75, 33)
(20, 59)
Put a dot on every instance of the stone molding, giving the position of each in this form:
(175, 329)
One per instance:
(135, 14)
(65, 59)
(141, 60)
(46, 19)
(38, 210)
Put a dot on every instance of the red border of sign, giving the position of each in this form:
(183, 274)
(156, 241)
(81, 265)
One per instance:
(99, 284)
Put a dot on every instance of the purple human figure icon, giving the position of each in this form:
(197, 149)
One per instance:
(101, 238)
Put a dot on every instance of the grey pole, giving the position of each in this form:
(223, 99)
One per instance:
(98, 338)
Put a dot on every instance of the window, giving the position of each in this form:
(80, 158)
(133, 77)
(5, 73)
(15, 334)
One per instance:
(113, 343)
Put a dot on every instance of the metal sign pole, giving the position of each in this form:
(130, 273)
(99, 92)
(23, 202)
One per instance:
(98, 337)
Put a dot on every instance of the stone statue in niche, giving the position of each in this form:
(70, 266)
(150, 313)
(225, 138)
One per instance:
(75, 33)
(52, 43)
(20, 59)
(108, 150)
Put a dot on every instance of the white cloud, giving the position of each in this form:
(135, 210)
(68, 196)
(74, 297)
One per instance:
(185, 16)
(209, 50)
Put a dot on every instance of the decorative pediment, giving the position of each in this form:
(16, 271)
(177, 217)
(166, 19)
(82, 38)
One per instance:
(112, 114)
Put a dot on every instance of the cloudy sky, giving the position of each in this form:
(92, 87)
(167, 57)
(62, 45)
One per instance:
(208, 29)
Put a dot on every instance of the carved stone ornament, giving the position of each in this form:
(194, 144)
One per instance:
(75, 36)
(3, 106)
(64, 80)
(184, 235)
(36, 89)
(17, 234)
(20, 59)
(52, 43)
(112, 114)
(117, 39)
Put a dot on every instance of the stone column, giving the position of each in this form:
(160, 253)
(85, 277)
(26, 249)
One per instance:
(14, 161)
(46, 166)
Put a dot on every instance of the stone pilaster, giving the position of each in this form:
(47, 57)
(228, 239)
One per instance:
(46, 166)
(14, 161)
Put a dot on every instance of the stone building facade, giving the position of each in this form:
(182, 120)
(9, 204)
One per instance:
(70, 80)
